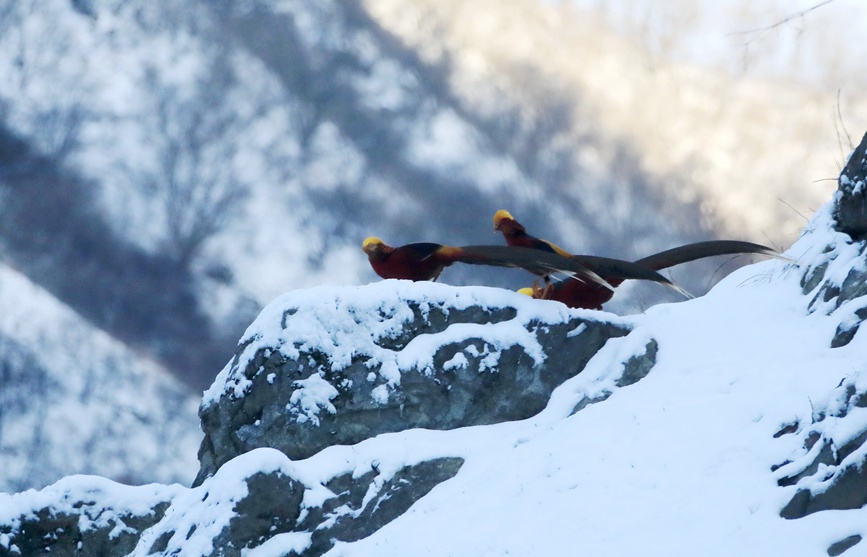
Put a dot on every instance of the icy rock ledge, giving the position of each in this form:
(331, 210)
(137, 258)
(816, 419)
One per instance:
(335, 366)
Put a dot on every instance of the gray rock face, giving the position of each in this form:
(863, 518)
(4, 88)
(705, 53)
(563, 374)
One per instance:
(466, 379)
(850, 210)
(347, 518)
(838, 548)
(49, 533)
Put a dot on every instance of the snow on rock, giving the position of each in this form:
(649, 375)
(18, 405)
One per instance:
(336, 365)
(85, 514)
(259, 500)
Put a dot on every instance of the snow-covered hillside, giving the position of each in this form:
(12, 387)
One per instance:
(74, 400)
(743, 438)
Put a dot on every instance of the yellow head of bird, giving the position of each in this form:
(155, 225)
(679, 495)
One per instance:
(527, 292)
(371, 245)
(500, 216)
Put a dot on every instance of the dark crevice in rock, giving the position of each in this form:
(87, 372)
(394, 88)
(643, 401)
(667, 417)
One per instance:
(786, 429)
(825, 456)
(813, 278)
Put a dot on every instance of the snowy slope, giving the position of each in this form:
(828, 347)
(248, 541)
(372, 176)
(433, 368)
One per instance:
(75, 400)
(684, 462)
(677, 464)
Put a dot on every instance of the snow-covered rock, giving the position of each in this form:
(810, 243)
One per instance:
(338, 365)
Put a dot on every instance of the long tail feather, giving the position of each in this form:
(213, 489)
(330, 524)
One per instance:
(700, 250)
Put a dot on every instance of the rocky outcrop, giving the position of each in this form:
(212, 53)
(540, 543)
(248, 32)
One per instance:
(75, 517)
(831, 471)
(439, 364)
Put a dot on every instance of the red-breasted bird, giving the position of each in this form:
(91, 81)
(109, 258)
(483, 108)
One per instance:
(426, 260)
(419, 261)
(614, 270)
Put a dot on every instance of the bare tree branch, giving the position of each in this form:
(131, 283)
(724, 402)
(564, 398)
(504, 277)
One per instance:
(802, 13)
(196, 177)
(839, 124)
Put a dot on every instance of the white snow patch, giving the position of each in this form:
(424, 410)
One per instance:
(312, 395)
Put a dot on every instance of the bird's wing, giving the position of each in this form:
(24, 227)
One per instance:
(423, 250)
(699, 250)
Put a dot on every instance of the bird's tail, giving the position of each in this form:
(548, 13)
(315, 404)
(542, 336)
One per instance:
(700, 250)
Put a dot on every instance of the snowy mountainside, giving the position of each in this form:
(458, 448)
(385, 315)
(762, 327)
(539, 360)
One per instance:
(75, 400)
(744, 436)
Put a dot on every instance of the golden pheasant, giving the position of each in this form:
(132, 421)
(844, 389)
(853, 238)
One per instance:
(516, 234)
